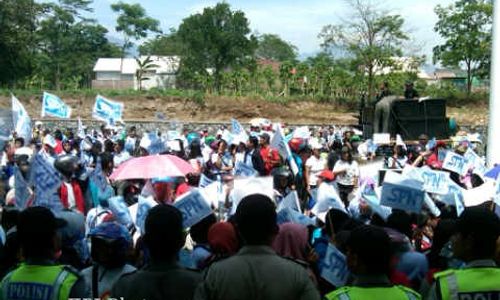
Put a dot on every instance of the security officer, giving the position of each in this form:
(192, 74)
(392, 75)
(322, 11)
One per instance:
(39, 277)
(477, 230)
(368, 259)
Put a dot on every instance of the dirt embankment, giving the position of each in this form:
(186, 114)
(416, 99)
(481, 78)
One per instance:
(222, 109)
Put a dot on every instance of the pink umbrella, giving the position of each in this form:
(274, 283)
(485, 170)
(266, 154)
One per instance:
(152, 166)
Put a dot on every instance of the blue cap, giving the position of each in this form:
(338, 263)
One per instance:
(112, 231)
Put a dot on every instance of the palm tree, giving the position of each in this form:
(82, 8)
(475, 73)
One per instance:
(144, 67)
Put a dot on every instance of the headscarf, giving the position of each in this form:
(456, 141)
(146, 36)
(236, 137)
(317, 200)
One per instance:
(291, 241)
(222, 239)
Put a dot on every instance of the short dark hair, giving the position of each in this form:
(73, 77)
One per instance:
(164, 234)
(121, 143)
(254, 141)
(483, 226)
(372, 246)
(256, 219)
(20, 140)
(199, 231)
(401, 221)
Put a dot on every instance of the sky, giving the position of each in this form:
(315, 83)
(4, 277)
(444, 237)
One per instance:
(298, 22)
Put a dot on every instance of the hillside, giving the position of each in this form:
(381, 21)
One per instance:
(222, 109)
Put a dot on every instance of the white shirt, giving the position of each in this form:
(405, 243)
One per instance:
(71, 195)
(315, 165)
(351, 172)
(120, 158)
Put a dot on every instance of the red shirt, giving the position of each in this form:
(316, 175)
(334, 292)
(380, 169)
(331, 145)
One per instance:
(268, 155)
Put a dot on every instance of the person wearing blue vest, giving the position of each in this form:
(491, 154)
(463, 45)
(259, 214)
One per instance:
(39, 277)
(368, 258)
(474, 242)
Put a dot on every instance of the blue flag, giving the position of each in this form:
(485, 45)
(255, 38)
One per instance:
(291, 201)
(107, 110)
(243, 170)
(21, 120)
(22, 190)
(334, 267)
(143, 207)
(46, 181)
(53, 106)
(120, 210)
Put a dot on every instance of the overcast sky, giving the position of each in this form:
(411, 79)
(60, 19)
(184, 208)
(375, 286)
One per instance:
(298, 22)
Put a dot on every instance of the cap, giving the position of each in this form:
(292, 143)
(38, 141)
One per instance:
(38, 220)
(111, 231)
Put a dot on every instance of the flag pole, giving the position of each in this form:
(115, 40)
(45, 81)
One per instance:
(493, 148)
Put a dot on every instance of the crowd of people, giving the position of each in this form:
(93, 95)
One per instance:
(83, 250)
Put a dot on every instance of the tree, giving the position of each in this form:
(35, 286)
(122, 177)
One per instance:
(55, 35)
(69, 44)
(272, 47)
(18, 23)
(466, 28)
(133, 23)
(163, 45)
(143, 68)
(371, 36)
(216, 39)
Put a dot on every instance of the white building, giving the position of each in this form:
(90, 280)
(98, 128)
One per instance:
(118, 73)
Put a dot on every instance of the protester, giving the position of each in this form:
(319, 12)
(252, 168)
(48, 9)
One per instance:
(111, 247)
(370, 267)
(162, 278)
(346, 171)
(269, 156)
(252, 156)
(223, 241)
(37, 232)
(314, 165)
(474, 242)
(256, 272)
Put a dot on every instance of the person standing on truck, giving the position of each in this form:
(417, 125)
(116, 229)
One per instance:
(410, 92)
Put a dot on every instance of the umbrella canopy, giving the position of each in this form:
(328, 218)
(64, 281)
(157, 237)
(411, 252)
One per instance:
(152, 166)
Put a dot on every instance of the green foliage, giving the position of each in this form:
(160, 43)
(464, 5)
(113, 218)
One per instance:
(215, 39)
(133, 22)
(271, 46)
(144, 67)
(163, 45)
(466, 28)
(371, 36)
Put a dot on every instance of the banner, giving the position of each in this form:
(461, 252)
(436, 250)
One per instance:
(22, 190)
(327, 199)
(431, 205)
(6, 126)
(382, 138)
(204, 181)
(278, 142)
(243, 170)
(249, 186)
(288, 215)
(46, 181)
(238, 131)
(335, 269)
(435, 182)
(401, 193)
(475, 162)
(21, 120)
(107, 110)
(120, 210)
(53, 106)
(291, 201)
(193, 207)
(144, 204)
(81, 130)
(455, 163)
(302, 132)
